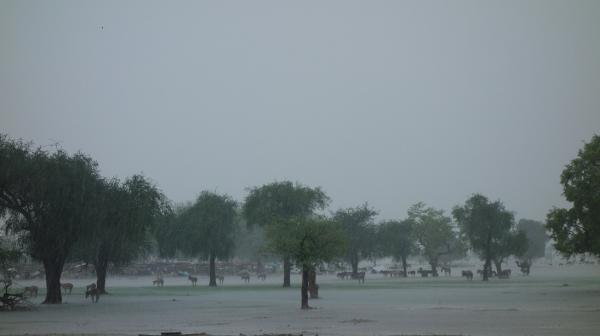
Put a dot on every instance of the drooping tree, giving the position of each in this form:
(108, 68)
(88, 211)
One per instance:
(577, 229)
(308, 241)
(48, 198)
(209, 227)
(276, 204)
(127, 215)
(396, 239)
(433, 233)
(490, 230)
(359, 233)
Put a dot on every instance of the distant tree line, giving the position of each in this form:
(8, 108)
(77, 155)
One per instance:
(62, 209)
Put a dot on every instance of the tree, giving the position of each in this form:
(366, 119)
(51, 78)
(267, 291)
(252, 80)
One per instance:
(309, 241)
(48, 198)
(490, 230)
(276, 204)
(209, 227)
(536, 238)
(127, 214)
(359, 233)
(577, 229)
(434, 233)
(397, 240)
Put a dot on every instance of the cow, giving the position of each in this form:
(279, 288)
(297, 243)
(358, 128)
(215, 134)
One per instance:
(31, 291)
(505, 274)
(344, 275)
(67, 287)
(92, 291)
(159, 282)
(194, 280)
(221, 278)
(468, 275)
(262, 276)
(412, 273)
(360, 276)
(245, 276)
(446, 270)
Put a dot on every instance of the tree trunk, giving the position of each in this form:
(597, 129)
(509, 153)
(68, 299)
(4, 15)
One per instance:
(404, 266)
(211, 272)
(304, 288)
(101, 267)
(287, 269)
(498, 265)
(313, 288)
(433, 263)
(53, 271)
(354, 263)
(488, 256)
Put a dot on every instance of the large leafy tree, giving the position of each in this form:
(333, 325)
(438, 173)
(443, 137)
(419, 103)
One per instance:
(359, 233)
(577, 229)
(396, 239)
(434, 234)
(277, 204)
(209, 227)
(127, 214)
(490, 230)
(309, 241)
(49, 198)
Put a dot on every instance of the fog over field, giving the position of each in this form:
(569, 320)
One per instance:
(390, 102)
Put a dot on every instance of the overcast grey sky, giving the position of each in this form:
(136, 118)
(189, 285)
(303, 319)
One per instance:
(390, 102)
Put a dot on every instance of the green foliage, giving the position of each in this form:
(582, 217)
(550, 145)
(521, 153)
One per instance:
(577, 229)
(359, 232)
(490, 228)
(209, 226)
(281, 201)
(48, 197)
(536, 238)
(307, 240)
(396, 239)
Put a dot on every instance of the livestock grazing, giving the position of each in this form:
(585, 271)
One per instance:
(221, 278)
(262, 276)
(412, 273)
(505, 274)
(425, 273)
(344, 275)
(90, 286)
(94, 292)
(31, 291)
(67, 287)
(360, 276)
(446, 270)
(194, 280)
(245, 276)
(468, 275)
(158, 282)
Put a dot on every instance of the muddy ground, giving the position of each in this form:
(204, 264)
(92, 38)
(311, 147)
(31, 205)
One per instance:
(552, 301)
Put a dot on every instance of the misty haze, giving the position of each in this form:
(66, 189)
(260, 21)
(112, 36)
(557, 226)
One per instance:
(300, 167)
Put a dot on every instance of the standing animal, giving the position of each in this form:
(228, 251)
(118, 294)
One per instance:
(194, 280)
(446, 270)
(31, 291)
(245, 276)
(344, 275)
(360, 276)
(90, 286)
(468, 275)
(67, 287)
(412, 273)
(93, 291)
(505, 274)
(158, 282)
(221, 278)
(262, 276)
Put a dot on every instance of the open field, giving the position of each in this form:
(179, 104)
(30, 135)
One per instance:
(552, 301)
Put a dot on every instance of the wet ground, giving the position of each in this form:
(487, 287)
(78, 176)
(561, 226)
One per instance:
(552, 301)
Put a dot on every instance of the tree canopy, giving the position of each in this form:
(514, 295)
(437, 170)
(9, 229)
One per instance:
(536, 238)
(359, 233)
(49, 198)
(490, 230)
(577, 229)
(396, 239)
(277, 204)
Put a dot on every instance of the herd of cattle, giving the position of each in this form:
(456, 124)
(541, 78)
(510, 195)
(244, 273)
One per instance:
(446, 270)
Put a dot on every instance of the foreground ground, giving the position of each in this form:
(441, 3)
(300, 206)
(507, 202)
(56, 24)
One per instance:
(552, 301)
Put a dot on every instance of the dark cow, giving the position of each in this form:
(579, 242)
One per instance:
(468, 275)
